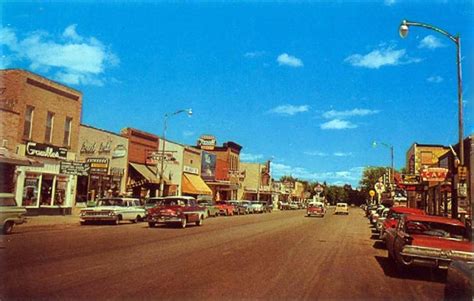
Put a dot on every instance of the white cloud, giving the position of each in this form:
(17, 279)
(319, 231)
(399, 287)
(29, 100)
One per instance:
(380, 57)
(254, 54)
(351, 176)
(71, 59)
(244, 157)
(435, 79)
(337, 124)
(390, 2)
(289, 109)
(349, 113)
(188, 133)
(341, 154)
(289, 60)
(316, 153)
(431, 42)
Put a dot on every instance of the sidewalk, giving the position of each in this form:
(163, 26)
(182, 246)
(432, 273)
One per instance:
(50, 221)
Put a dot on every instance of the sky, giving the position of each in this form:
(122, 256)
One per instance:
(309, 85)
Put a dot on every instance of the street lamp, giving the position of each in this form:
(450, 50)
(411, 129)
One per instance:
(167, 115)
(403, 31)
(392, 171)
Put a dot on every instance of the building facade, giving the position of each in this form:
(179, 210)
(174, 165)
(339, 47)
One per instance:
(40, 120)
(192, 182)
(106, 154)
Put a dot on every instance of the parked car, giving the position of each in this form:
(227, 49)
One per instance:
(114, 210)
(341, 208)
(257, 207)
(393, 216)
(267, 206)
(284, 205)
(459, 284)
(294, 206)
(247, 205)
(239, 208)
(424, 240)
(211, 207)
(316, 209)
(381, 219)
(10, 213)
(375, 216)
(224, 208)
(180, 210)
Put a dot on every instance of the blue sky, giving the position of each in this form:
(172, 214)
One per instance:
(307, 84)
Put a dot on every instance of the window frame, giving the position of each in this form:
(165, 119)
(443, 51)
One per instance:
(67, 131)
(48, 134)
(28, 118)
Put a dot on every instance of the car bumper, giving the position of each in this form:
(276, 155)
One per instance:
(97, 218)
(165, 219)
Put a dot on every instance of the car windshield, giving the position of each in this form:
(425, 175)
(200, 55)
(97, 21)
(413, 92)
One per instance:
(173, 202)
(435, 229)
(110, 202)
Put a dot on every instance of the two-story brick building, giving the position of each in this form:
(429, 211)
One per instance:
(40, 120)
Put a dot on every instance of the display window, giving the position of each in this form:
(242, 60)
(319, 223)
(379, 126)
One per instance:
(31, 190)
(60, 191)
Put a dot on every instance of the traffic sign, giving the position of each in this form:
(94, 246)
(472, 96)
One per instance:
(371, 193)
(379, 187)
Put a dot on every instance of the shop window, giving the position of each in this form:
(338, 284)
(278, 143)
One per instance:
(60, 191)
(28, 124)
(30, 190)
(67, 131)
(46, 196)
(48, 135)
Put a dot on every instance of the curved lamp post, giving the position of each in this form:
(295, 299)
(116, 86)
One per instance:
(392, 171)
(403, 31)
(162, 183)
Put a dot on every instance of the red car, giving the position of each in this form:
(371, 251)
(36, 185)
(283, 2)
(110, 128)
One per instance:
(394, 215)
(225, 208)
(180, 210)
(430, 241)
(316, 209)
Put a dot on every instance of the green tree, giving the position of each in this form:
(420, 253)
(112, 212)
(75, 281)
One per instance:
(370, 176)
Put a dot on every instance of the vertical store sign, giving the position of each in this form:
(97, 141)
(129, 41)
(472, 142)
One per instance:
(208, 166)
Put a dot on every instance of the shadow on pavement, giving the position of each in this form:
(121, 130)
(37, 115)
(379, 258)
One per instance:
(413, 273)
(380, 245)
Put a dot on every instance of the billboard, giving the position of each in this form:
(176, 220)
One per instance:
(208, 166)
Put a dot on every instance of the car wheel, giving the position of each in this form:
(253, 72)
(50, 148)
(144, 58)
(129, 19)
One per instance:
(8, 227)
(183, 223)
(200, 221)
(135, 220)
(83, 223)
(117, 220)
(151, 224)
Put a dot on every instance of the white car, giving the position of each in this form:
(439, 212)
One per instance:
(257, 207)
(341, 208)
(114, 210)
(10, 213)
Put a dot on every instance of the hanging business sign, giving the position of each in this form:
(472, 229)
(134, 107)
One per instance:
(74, 168)
(45, 151)
(434, 174)
(98, 165)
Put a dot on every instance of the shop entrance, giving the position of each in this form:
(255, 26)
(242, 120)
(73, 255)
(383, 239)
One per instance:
(46, 190)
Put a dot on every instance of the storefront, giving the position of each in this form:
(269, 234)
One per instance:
(106, 155)
(45, 189)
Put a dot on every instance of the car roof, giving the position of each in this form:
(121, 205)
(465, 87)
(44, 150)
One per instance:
(180, 197)
(436, 219)
(407, 210)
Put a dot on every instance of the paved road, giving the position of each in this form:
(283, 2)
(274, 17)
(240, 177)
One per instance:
(282, 255)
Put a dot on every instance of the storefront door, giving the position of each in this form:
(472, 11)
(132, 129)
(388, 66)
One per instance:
(46, 196)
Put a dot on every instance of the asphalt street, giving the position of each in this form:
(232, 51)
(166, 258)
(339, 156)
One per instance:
(279, 256)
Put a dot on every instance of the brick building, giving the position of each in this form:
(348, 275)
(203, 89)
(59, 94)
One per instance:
(40, 120)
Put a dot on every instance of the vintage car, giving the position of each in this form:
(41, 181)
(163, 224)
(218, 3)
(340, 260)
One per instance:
(393, 216)
(239, 208)
(247, 205)
(284, 205)
(224, 208)
(375, 216)
(180, 210)
(316, 209)
(431, 241)
(211, 208)
(114, 210)
(267, 206)
(341, 208)
(150, 203)
(10, 213)
(257, 207)
(381, 219)
(459, 283)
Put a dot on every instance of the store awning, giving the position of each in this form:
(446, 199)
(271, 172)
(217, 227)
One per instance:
(8, 157)
(193, 184)
(146, 173)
